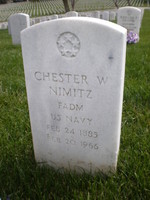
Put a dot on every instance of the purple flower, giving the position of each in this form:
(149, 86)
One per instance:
(132, 37)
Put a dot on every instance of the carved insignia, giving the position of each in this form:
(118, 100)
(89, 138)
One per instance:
(68, 44)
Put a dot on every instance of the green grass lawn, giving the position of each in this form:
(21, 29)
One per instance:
(21, 178)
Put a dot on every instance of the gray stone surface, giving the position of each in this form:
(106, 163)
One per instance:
(130, 18)
(74, 71)
(18, 22)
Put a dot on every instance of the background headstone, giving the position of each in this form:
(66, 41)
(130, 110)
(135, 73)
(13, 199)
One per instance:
(37, 20)
(32, 22)
(112, 16)
(43, 19)
(84, 14)
(105, 15)
(18, 22)
(54, 17)
(71, 14)
(129, 18)
(3, 25)
(74, 80)
(95, 14)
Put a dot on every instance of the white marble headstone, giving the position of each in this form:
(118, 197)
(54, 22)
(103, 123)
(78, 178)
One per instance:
(43, 19)
(37, 20)
(74, 71)
(71, 14)
(96, 14)
(52, 17)
(84, 14)
(3, 25)
(32, 22)
(129, 18)
(18, 22)
(105, 15)
(112, 16)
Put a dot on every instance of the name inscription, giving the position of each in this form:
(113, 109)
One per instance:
(72, 115)
(69, 79)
